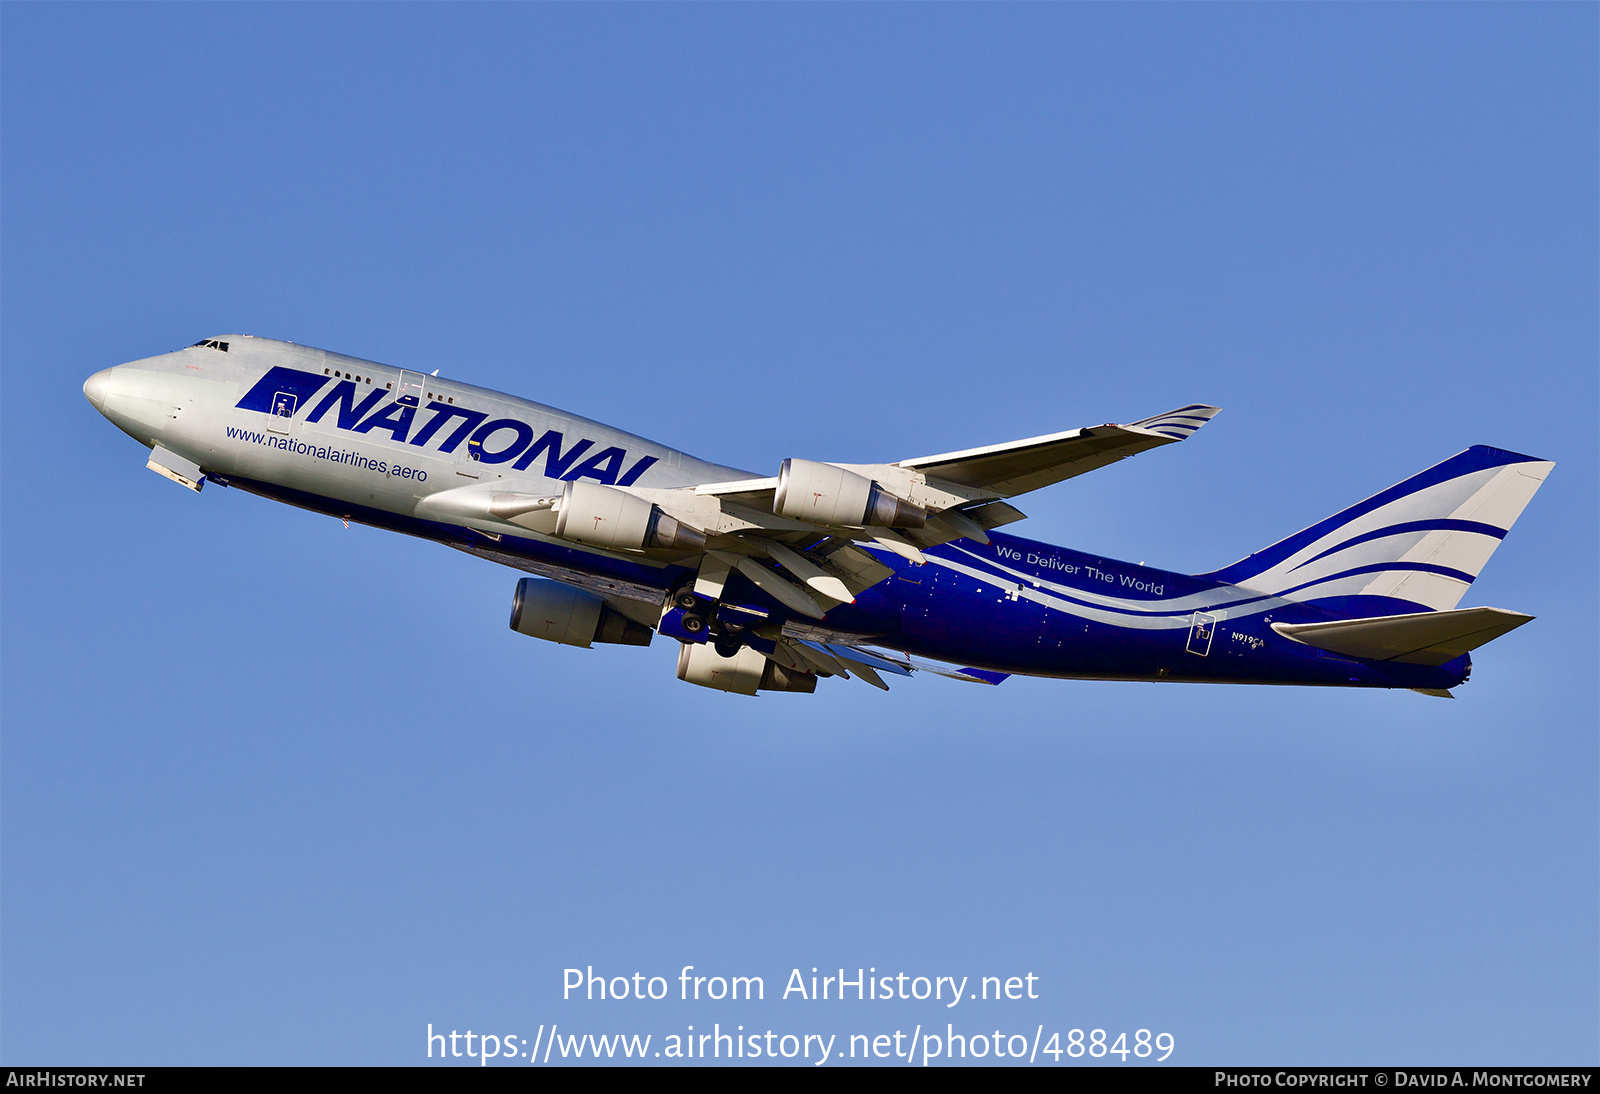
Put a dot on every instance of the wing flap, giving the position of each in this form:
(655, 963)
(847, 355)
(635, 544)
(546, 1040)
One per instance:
(858, 569)
(795, 597)
(815, 577)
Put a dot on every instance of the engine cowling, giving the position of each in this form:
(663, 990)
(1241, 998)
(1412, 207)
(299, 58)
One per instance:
(821, 493)
(744, 673)
(606, 517)
(572, 617)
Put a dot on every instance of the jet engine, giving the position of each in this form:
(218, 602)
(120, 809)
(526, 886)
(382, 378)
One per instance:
(821, 493)
(573, 617)
(606, 517)
(743, 673)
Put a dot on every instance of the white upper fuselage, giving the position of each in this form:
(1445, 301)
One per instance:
(187, 403)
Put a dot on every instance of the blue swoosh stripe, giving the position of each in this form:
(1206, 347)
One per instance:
(1383, 567)
(1477, 458)
(1443, 524)
(302, 385)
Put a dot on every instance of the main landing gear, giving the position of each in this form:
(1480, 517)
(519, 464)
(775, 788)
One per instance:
(701, 619)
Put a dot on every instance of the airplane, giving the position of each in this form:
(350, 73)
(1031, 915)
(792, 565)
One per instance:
(770, 583)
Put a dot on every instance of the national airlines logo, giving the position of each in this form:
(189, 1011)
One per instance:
(283, 391)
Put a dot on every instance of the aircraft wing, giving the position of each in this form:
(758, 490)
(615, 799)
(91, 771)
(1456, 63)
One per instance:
(811, 563)
(1013, 467)
(803, 547)
(1017, 467)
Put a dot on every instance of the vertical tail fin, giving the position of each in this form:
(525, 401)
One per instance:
(1416, 546)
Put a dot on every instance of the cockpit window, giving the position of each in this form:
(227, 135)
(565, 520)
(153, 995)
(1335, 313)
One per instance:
(211, 343)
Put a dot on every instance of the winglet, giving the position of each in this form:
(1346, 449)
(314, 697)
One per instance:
(1179, 424)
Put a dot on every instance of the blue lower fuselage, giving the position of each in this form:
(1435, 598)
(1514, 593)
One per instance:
(1012, 606)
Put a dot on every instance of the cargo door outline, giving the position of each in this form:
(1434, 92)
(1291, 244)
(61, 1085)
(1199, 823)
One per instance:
(410, 393)
(1201, 631)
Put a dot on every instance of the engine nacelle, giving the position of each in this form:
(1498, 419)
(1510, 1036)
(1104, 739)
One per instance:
(743, 673)
(572, 617)
(606, 517)
(821, 493)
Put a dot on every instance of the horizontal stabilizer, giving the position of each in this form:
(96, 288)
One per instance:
(1425, 638)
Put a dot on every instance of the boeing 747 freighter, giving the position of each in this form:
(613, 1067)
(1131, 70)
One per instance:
(827, 569)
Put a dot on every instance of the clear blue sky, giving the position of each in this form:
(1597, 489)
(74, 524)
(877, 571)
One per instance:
(274, 791)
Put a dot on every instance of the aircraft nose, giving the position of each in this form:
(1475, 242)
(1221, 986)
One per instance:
(95, 388)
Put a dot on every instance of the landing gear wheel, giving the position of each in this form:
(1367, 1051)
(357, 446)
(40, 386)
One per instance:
(687, 600)
(727, 647)
(693, 624)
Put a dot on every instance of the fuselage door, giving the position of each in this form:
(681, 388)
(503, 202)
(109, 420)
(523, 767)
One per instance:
(410, 393)
(469, 458)
(1201, 632)
(284, 404)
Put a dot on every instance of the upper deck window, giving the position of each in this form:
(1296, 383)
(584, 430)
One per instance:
(211, 343)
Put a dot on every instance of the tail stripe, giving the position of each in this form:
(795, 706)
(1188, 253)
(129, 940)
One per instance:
(1420, 543)
(1442, 525)
(1383, 568)
(1478, 458)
